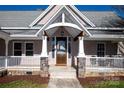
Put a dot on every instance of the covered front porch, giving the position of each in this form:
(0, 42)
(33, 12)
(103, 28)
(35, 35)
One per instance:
(23, 56)
(65, 38)
(81, 53)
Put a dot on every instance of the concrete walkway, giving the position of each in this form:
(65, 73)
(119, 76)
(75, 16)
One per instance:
(64, 83)
(63, 77)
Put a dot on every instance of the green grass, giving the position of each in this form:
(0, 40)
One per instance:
(108, 84)
(22, 84)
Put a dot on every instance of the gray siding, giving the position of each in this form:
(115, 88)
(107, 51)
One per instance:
(2, 47)
(37, 46)
(90, 47)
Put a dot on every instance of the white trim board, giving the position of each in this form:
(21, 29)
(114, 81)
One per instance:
(63, 24)
(72, 14)
(20, 28)
(47, 23)
(75, 17)
(81, 15)
(72, 7)
(41, 15)
(105, 28)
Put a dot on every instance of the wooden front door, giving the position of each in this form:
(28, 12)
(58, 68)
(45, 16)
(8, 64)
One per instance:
(61, 45)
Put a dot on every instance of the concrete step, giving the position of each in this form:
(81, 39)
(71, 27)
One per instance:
(63, 76)
(62, 72)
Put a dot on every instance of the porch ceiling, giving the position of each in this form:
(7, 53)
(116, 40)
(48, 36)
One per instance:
(72, 31)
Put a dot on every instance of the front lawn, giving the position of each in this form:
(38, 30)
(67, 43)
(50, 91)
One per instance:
(102, 82)
(108, 84)
(24, 81)
(22, 84)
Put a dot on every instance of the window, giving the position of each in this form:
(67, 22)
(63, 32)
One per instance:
(29, 49)
(17, 49)
(100, 49)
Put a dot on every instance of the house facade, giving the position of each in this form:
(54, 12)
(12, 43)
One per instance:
(61, 36)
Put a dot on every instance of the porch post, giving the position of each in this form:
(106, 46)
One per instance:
(6, 53)
(44, 47)
(81, 47)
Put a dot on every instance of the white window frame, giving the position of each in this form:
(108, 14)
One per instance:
(104, 47)
(25, 47)
(21, 46)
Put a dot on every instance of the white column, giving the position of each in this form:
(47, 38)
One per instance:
(44, 47)
(81, 47)
(6, 53)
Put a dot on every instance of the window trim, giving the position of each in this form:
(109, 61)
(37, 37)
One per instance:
(14, 45)
(25, 46)
(104, 47)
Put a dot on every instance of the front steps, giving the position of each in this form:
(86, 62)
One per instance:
(62, 72)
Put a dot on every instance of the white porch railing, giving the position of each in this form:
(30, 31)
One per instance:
(92, 66)
(2, 62)
(23, 61)
(108, 62)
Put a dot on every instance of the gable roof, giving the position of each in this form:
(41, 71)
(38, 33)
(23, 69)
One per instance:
(20, 31)
(105, 19)
(17, 18)
(60, 10)
(51, 10)
(25, 18)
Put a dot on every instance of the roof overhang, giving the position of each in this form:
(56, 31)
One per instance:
(4, 35)
(78, 25)
(105, 28)
(73, 32)
(63, 24)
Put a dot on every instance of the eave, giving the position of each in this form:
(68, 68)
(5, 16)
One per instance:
(20, 28)
(105, 28)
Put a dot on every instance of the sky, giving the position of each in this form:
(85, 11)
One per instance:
(118, 9)
(40, 7)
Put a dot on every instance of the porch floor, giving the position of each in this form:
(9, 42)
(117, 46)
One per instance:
(104, 69)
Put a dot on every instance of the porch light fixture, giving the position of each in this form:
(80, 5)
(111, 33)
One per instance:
(62, 33)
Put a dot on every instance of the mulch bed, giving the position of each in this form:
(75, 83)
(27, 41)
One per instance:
(32, 78)
(94, 80)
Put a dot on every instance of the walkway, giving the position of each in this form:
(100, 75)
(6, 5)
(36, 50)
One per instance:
(63, 77)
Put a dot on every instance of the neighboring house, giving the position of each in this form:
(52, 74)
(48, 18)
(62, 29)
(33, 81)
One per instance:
(60, 36)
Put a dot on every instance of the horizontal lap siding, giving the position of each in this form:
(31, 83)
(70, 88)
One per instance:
(90, 47)
(2, 47)
(10, 50)
(111, 48)
(37, 46)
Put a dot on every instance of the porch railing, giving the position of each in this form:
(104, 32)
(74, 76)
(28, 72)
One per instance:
(92, 65)
(23, 61)
(2, 62)
(108, 62)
